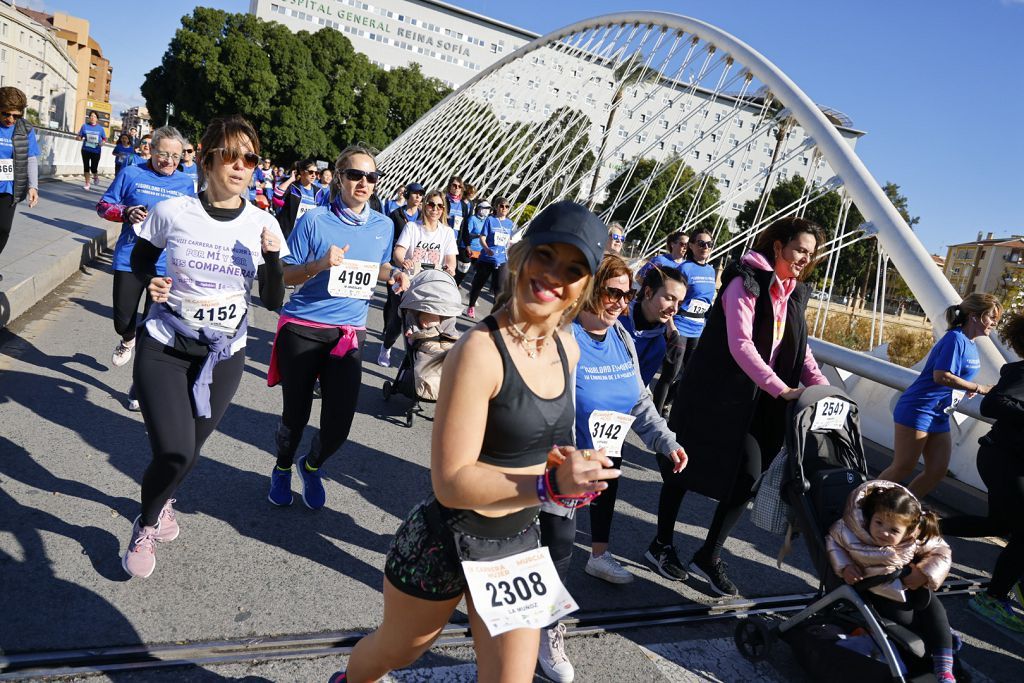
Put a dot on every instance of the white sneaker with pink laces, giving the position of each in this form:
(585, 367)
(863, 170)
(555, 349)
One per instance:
(140, 558)
(167, 527)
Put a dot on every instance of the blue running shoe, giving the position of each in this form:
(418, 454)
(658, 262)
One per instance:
(313, 494)
(338, 677)
(280, 487)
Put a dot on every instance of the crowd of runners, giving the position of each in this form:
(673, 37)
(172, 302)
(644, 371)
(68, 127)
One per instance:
(534, 402)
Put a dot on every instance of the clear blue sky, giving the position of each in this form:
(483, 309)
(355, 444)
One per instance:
(935, 83)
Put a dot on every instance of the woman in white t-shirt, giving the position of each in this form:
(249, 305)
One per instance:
(424, 244)
(192, 344)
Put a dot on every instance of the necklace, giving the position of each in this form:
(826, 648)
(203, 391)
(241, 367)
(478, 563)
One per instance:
(528, 343)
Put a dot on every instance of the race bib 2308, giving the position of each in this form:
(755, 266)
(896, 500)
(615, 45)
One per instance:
(521, 591)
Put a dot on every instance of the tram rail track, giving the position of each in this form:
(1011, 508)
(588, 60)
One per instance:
(89, 661)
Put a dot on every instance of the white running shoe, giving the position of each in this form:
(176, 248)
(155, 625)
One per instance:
(87, 187)
(553, 660)
(122, 353)
(384, 357)
(133, 405)
(606, 567)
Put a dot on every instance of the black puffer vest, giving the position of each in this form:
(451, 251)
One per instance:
(19, 140)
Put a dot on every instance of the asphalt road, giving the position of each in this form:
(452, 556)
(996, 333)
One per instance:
(71, 458)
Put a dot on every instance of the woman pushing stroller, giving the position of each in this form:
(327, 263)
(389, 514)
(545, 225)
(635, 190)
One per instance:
(885, 532)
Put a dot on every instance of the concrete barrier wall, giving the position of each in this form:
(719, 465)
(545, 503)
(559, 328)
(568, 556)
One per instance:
(60, 154)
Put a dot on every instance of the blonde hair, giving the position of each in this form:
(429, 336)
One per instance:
(443, 218)
(518, 253)
(978, 303)
(339, 166)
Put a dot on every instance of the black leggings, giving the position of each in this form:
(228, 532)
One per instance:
(392, 319)
(602, 508)
(558, 534)
(128, 287)
(7, 207)
(484, 271)
(1003, 473)
(729, 509)
(672, 369)
(922, 613)
(300, 360)
(163, 382)
(90, 162)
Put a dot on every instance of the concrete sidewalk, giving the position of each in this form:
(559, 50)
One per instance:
(50, 243)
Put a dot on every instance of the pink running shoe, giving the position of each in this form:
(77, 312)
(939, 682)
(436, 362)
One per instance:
(167, 527)
(140, 558)
(471, 312)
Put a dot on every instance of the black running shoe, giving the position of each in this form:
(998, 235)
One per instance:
(664, 559)
(713, 571)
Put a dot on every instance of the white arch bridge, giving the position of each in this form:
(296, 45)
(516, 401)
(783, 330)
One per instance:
(663, 122)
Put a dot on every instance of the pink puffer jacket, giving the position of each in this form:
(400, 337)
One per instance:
(849, 542)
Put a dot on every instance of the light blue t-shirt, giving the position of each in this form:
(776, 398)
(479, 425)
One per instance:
(142, 186)
(498, 233)
(700, 293)
(605, 380)
(192, 172)
(7, 152)
(476, 226)
(310, 240)
(94, 136)
(953, 353)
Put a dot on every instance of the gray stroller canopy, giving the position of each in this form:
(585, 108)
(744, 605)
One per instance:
(433, 291)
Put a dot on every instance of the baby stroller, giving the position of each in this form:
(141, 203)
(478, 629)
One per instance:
(429, 309)
(823, 463)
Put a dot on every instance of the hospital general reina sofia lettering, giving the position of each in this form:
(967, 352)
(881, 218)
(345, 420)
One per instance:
(347, 15)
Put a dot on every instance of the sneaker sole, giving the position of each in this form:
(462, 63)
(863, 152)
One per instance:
(280, 505)
(993, 618)
(121, 364)
(699, 573)
(657, 567)
(177, 532)
(610, 578)
(124, 566)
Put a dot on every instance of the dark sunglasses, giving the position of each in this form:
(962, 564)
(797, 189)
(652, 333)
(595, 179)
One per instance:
(11, 114)
(434, 205)
(310, 170)
(618, 238)
(703, 244)
(230, 156)
(355, 175)
(188, 151)
(615, 295)
(502, 206)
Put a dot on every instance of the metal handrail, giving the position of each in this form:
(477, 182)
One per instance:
(881, 371)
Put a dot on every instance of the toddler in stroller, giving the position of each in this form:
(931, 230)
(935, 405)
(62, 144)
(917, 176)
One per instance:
(850, 632)
(429, 309)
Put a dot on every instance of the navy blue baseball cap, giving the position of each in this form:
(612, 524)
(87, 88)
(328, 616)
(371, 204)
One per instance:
(567, 222)
(415, 188)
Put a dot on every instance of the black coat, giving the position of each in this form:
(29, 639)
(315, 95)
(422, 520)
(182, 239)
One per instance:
(717, 404)
(1005, 403)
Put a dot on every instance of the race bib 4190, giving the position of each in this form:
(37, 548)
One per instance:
(353, 279)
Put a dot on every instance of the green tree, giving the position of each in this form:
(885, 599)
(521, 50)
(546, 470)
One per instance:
(658, 189)
(308, 94)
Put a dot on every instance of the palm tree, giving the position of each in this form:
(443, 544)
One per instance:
(627, 75)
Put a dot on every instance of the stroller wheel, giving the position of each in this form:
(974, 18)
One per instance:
(388, 389)
(754, 638)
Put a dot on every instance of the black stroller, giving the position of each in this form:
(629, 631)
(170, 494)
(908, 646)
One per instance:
(824, 463)
(432, 294)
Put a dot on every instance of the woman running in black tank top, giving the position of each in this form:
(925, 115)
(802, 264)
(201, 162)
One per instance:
(488, 470)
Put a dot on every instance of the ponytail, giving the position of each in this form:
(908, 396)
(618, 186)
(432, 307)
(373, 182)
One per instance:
(955, 317)
(928, 526)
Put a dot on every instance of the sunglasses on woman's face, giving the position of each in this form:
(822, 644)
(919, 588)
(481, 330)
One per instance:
(502, 206)
(355, 175)
(11, 115)
(618, 238)
(189, 151)
(434, 205)
(615, 295)
(229, 156)
(703, 244)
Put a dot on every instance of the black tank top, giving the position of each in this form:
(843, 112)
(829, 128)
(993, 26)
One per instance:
(521, 426)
